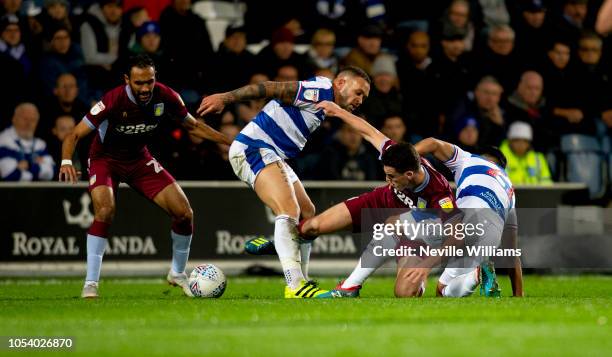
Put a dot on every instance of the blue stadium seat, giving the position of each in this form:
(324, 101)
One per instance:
(584, 162)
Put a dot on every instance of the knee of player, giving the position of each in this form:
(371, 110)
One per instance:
(311, 227)
(290, 209)
(185, 215)
(105, 213)
(408, 290)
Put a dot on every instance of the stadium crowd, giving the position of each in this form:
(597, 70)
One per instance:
(516, 74)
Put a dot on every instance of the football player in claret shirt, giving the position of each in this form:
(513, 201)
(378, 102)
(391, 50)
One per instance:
(412, 183)
(124, 121)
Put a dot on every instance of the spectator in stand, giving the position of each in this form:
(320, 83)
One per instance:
(385, 98)
(63, 56)
(369, 42)
(394, 128)
(347, 158)
(148, 41)
(64, 102)
(63, 125)
(457, 17)
(154, 7)
(132, 20)
(494, 13)
(343, 17)
(525, 166)
(100, 43)
(321, 53)
(280, 52)
(571, 23)
(498, 58)
(449, 71)
(214, 162)
(467, 134)
(484, 106)
(233, 63)
(564, 94)
(416, 85)
(532, 33)
(187, 45)
(55, 13)
(325, 72)
(12, 45)
(287, 73)
(24, 157)
(528, 105)
(593, 76)
(10, 72)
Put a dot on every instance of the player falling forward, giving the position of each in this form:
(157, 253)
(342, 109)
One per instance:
(280, 132)
(487, 195)
(125, 120)
(412, 183)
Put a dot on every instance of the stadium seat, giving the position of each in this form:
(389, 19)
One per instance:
(219, 15)
(584, 162)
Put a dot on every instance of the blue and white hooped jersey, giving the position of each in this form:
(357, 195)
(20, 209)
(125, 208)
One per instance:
(480, 178)
(286, 128)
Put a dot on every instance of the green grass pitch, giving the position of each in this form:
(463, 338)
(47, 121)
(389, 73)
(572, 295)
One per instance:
(559, 316)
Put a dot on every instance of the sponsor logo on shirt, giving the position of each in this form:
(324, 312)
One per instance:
(446, 203)
(135, 129)
(311, 95)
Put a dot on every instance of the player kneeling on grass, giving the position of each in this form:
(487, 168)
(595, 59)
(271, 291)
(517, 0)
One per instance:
(412, 183)
(125, 120)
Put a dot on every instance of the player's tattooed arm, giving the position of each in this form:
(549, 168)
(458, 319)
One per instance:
(201, 130)
(283, 91)
(441, 150)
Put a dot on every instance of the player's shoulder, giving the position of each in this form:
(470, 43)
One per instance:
(166, 93)
(320, 81)
(437, 181)
(112, 97)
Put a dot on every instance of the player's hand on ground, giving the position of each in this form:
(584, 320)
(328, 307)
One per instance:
(330, 108)
(67, 173)
(211, 104)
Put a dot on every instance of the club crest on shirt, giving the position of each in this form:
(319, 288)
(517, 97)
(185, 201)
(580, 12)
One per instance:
(421, 203)
(158, 109)
(97, 109)
(311, 95)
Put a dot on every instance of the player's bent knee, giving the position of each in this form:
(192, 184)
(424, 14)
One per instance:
(406, 289)
(104, 213)
(308, 211)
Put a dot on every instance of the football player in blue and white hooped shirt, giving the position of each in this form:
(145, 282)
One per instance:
(277, 133)
(483, 187)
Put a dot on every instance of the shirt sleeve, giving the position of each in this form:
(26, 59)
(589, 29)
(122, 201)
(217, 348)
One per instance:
(99, 112)
(312, 92)
(176, 105)
(457, 161)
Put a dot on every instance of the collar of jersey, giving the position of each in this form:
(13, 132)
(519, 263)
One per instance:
(130, 95)
(425, 182)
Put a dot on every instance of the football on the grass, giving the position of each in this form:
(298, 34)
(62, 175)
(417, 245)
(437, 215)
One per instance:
(207, 281)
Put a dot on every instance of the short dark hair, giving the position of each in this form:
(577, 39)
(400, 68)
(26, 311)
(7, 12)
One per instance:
(402, 157)
(356, 71)
(494, 153)
(139, 61)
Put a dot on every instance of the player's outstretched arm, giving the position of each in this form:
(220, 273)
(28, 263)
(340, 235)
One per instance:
(283, 91)
(67, 172)
(367, 131)
(442, 150)
(202, 130)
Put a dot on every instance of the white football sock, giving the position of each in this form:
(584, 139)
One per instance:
(287, 248)
(180, 251)
(95, 252)
(371, 262)
(462, 285)
(305, 249)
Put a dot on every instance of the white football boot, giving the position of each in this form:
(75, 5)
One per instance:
(90, 290)
(179, 280)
